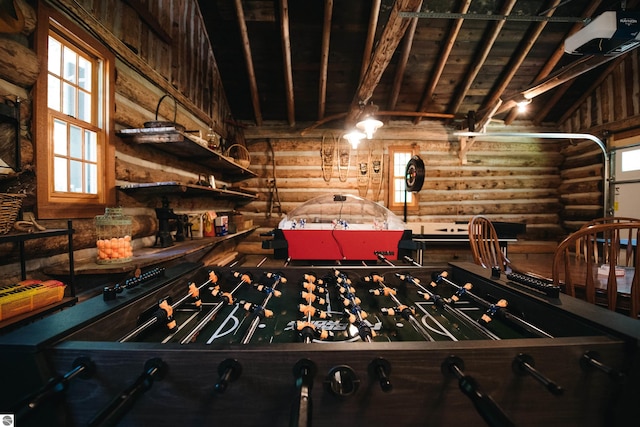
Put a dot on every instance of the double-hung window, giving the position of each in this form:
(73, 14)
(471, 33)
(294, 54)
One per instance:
(75, 160)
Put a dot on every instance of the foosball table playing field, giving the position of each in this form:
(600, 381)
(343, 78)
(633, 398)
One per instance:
(326, 345)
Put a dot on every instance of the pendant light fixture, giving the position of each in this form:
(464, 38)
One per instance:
(354, 137)
(368, 123)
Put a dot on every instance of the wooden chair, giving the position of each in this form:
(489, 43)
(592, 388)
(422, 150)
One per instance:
(581, 251)
(593, 276)
(485, 246)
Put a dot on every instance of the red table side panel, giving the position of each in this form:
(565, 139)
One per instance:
(342, 244)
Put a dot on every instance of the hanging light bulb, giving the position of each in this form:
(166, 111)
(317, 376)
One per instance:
(368, 124)
(354, 137)
(522, 105)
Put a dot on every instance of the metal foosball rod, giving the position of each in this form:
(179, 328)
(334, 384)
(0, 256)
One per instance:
(154, 370)
(165, 310)
(590, 361)
(229, 370)
(260, 311)
(406, 312)
(445, 305)
(226, 298)
(489, 410)
(352, 306)
(523, 364)
(303, 371)
(411, 261)
(83, 367)
(493, 309)
(307, 330)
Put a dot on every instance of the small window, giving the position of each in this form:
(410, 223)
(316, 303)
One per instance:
(75, 157)
(630, 160)
(398, 158)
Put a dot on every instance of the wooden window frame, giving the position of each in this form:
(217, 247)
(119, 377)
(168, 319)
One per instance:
(52, 205)
(412, 206)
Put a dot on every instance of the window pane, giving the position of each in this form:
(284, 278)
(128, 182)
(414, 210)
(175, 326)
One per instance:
(54, 56)
(90, 146)
(630, 160)
(60, 138)
(60, 174)
(53, 93)
(84, 74)
(70, 59)
(91, 176)
(75, 176)
(75, 142)
(69, 100)
(84, 106)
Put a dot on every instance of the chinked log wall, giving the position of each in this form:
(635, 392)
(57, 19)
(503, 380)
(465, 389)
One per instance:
(513, 180)
(610, 107)
(148, 66)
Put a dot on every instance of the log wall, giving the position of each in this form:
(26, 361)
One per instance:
(610, 108)
(513, 180)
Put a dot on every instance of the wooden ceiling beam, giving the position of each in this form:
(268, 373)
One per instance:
(554, 59)
(391, 35)
(371, 36)
(324, 58)
(246, 49)
(493, 31)
(523, 49)
(286, 58)
(438, 69)
(402, 64)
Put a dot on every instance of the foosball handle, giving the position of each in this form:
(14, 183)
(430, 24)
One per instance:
(381, 368)
(229, 370)
(523, 364)
(590, 360)
(154, 369)
(83, 367)
(484, 404)
(304, 371)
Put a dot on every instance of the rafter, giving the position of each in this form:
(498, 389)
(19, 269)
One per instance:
(286, 57)
(481, 56)
(391, 36)
(246, 49)
(447, 46)
(515, 62)
(324, 58)
(402, 64)
(553, 61)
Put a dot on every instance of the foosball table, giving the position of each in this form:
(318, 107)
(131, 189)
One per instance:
(382, 344)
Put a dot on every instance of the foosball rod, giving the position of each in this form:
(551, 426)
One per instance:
(154, 369)
(405, 313)
(505, 314)
(278, 278)
(440, 302)
(226, 299)
(484, 404)
(303, 371)
(356, 312)
(213, 278)
(83, 367)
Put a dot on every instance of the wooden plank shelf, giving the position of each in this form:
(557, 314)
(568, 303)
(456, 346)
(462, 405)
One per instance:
(184, 189)
(188, 147)
(145, 257)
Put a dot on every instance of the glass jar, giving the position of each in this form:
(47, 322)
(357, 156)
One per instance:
(113, 230)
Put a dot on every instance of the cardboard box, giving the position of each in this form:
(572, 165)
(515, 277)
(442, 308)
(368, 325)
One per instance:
(221, 225)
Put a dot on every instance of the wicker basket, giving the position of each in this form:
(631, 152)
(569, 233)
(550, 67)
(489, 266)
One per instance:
(10, 205)
(240, 155)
